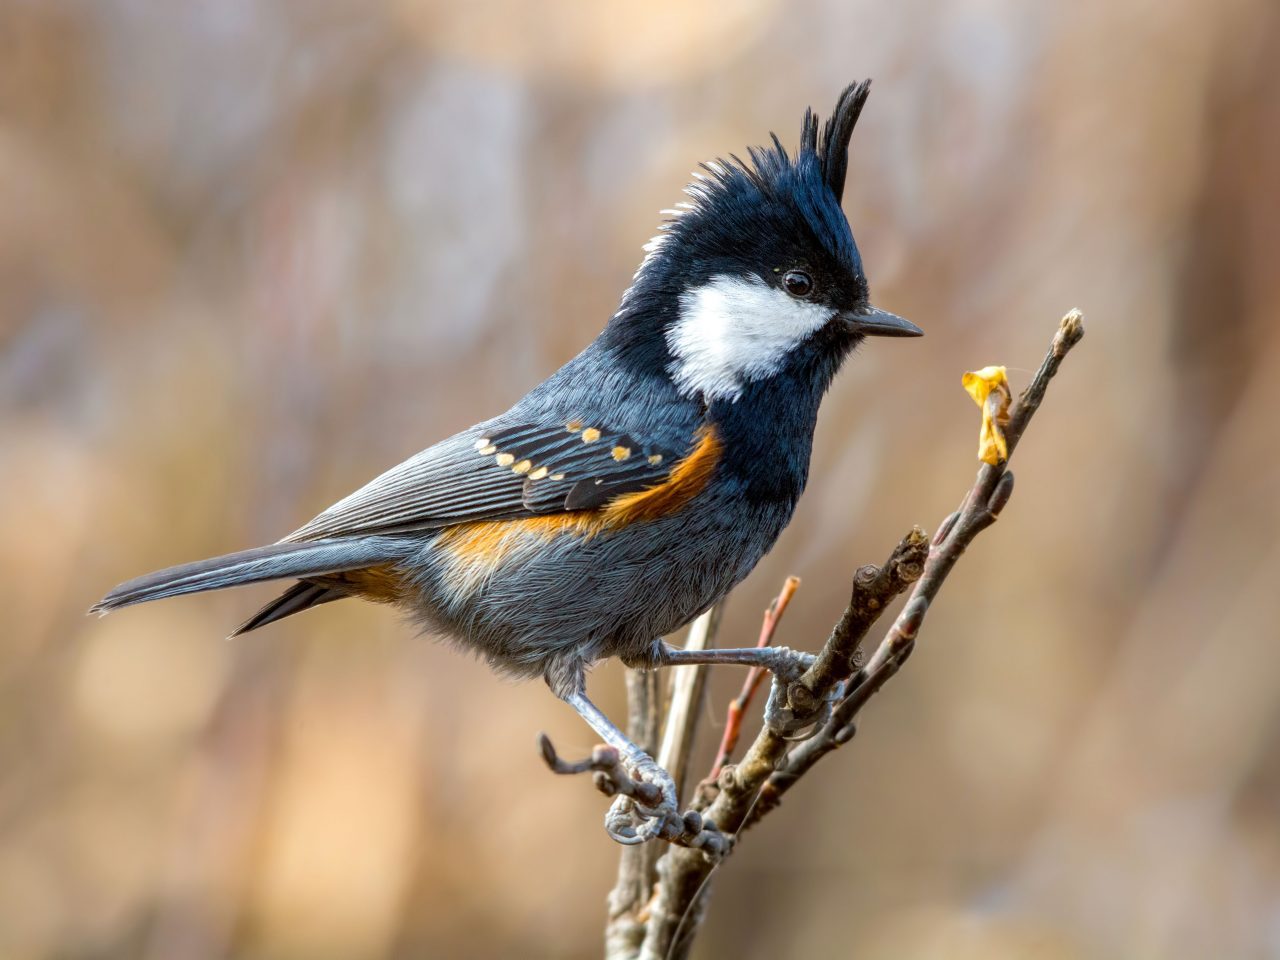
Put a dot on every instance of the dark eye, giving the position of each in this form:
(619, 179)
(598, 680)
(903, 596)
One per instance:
(797, 283)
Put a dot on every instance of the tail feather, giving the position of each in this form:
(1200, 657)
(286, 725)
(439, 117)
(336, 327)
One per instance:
(301, 596)
(278, 561)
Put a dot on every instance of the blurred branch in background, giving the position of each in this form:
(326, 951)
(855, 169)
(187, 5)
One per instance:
(656, 915)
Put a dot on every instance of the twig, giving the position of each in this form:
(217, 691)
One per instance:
(637, 864)
(682, 892)
(988, 496)
(874, 588)
(687, 690)
(755, 676)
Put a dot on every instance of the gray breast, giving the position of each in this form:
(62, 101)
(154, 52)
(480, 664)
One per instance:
(598, 596)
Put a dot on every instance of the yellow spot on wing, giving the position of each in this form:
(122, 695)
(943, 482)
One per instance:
(524, 466)
(488, 449)
(590, 435)
(573, 426)
(477, 549)
(655, 459)
(685, 481)
(538, 474)
(505, 459)
(621, 453)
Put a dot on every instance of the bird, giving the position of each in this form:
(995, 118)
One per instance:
(632, 489)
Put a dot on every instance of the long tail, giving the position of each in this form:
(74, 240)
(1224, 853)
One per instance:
(278, 561)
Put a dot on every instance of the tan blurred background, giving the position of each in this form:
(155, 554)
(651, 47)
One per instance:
(252, 253)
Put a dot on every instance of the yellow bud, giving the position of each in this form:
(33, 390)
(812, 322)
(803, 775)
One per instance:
(989, 388)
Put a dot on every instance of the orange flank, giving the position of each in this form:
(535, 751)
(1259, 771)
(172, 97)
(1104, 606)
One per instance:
(382, 583)
(683, 483)
(486, 543)
(477, 549)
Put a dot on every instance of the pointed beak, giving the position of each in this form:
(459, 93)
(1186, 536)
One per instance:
(873, 322)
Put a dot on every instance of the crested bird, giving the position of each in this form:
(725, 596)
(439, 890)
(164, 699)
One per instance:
(639, 483)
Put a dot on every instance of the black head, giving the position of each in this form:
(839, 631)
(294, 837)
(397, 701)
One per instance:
(758, 260)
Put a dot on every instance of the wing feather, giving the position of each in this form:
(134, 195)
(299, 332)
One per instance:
(507, 471)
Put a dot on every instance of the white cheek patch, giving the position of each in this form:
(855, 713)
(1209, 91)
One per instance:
(733, 330)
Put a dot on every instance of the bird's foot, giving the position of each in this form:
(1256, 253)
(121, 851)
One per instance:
(786, 665)
(633, 819)
(646, 811)
(792, 711)
(645, 806)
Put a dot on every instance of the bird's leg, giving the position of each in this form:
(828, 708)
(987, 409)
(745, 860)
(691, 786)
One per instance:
(787, 666)
(656, 821)
(784, 663)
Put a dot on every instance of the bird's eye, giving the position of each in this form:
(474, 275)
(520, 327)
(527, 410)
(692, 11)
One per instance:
(798, 283)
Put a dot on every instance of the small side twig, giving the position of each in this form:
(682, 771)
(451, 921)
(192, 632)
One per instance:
(874, 588)
(687, 690)
(637, 865)
(755, 676)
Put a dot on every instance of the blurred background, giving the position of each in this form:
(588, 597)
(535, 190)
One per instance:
(253, 253)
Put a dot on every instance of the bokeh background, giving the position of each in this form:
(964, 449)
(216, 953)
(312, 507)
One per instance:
(253, 253)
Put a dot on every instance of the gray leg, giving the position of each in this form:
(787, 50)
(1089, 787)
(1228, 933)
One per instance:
(653, 821)
(787, 666)
(782, 662)
(607, 729)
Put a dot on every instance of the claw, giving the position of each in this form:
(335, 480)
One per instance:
(619, 822)
(788, 723)
(651, 822)
(631, 822)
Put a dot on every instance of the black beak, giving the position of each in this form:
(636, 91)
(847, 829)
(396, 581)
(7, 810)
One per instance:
(872, 322)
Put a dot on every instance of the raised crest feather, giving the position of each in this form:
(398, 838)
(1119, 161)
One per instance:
(833, 152)
(831, 149)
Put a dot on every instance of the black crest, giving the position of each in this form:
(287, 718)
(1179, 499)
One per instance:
(751, 215)
(833, 149)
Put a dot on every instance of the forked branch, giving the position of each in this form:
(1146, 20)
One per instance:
(739, 795)
(755, 786)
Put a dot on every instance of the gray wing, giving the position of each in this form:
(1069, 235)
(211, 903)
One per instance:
(497, 472)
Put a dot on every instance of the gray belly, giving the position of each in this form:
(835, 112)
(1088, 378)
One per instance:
(552, 598)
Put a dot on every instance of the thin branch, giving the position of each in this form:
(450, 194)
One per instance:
(637, 864)
(874, 588)
(687, 689)
(755, 676)
(982, 505)
(682, 892)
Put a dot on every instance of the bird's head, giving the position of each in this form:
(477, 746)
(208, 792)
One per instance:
(757, 266)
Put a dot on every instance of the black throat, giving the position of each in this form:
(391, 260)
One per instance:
(767, 430)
